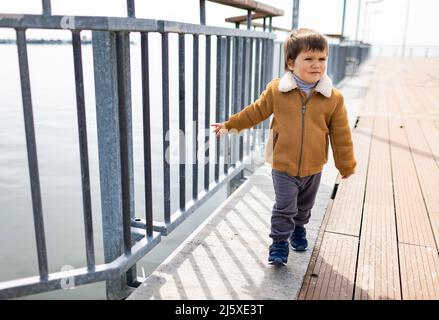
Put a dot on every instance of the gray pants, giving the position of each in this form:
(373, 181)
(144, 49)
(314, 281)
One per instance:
(295, 198)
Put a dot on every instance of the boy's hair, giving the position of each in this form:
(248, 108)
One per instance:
(302, 39)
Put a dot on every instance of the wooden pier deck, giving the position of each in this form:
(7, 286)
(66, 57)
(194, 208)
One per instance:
(380, 235)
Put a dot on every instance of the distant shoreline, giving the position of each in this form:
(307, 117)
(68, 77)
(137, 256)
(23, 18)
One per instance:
(42, 41)
(48, 41)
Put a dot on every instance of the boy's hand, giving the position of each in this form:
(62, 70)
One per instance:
(219, 128)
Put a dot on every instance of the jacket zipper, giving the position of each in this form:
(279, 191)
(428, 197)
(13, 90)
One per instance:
(303, 130)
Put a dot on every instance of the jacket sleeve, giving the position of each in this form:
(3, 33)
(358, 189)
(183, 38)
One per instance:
(254, 113)
(341, 140)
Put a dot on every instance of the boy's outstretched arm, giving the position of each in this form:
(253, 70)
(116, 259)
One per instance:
(341, 141)
(251, 115)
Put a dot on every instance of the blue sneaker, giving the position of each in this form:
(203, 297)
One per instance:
(298, 239)
(278, 253)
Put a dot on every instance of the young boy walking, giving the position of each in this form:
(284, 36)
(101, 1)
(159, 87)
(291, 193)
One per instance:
(308, 113)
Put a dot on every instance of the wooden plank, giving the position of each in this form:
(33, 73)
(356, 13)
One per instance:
(431, 132)
(419, 272)
(346, 212)
(314, 256)
(412, 219)
(377, 271)
(426, 167)
(334, 269)
(434, 219)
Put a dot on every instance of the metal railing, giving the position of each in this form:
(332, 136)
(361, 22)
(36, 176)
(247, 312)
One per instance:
(244, 66)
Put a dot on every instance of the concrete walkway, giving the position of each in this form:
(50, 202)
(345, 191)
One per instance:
(226, 257)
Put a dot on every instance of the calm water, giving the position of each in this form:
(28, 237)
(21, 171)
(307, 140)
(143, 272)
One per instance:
(54, 106)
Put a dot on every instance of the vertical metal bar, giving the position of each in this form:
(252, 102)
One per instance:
(263, 79)
(32, 155)
(182, 119)
(269, 72)
(126, 144)
(271, 65)
(227, 107)
(281, 60)
(263, 64)
(249, 19)
(249, 93)
(83, 149)
(107, 117)
(257, 132)
(146, 133)
(235, 97)
(250, 71)
(267, 64)
(129, 179)
(242, 88)
(203, 12)
(266, 74)
(343, 19)
(219, 62)
(331, 60)
(295, 17)
(166, 142)
(221, 92)
(131, 9)
(195, 116)
(123, 127)
(47, 7)
(337, 63)
(207, 116)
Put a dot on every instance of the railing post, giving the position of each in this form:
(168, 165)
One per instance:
(107, 117)
(47, 7)
(125, 113)
(203, 12)
(131, 11)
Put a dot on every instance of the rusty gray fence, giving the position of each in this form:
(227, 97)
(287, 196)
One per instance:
(243, 68)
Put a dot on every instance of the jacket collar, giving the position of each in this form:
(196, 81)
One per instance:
(287, 83)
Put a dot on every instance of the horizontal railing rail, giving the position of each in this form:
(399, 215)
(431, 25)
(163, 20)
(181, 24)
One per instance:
(79, 23)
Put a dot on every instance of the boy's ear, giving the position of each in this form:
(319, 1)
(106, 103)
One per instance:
(290, 64)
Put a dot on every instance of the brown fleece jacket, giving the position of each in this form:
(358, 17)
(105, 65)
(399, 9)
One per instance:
(300, 130)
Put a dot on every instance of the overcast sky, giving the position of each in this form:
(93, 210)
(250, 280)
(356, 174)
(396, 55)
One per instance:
(380, 23)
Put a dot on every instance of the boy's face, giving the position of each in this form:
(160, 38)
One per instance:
(310, 66)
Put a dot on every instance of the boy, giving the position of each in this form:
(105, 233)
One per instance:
(307, 112)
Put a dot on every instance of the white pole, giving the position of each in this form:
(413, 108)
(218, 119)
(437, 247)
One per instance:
(358, 21)
(405, 28)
